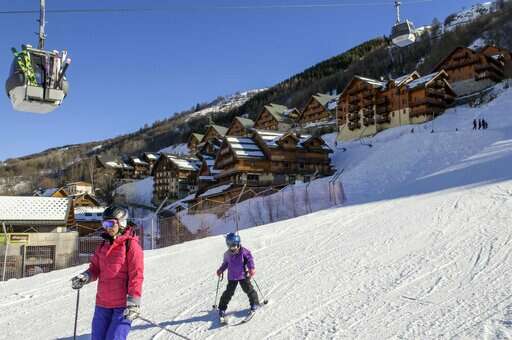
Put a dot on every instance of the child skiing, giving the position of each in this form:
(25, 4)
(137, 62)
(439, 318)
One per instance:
(118, 265)
(240, 265)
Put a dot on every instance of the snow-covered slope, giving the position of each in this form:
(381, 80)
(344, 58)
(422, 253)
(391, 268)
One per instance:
(421, 251)
(467, 15)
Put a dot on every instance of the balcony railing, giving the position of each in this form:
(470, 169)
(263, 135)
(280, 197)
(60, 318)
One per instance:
(353, 116)
(368, 113)
(383, 119)
(354, 125)
(368, 121)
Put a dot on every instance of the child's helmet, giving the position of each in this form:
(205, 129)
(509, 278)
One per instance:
(232, 240)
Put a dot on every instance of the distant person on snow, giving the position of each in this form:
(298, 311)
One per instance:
(240, 265)
(479, 124)
(474, 124)
(118, 265)
(484, 124)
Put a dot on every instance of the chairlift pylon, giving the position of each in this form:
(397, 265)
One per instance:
(403, 33)
(37, 81)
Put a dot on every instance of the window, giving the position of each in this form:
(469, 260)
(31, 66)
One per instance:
(291, 179)
(302, 165)
(306, 179)
(253, 179)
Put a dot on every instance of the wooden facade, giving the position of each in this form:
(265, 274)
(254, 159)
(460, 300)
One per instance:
(140, 168)
(368, 106)
(174, 177)
(276, 117)
(471, 71)
(320, 107)
(193, 142)
(240, 127)
(271, 158)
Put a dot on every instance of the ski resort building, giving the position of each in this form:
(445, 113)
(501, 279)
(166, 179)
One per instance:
(320, 108)
(140, 167)
(471, 71)
(174, 177)
(240, 126)
(368, 106)
(276, 117)
(263, 160)
(193, 141)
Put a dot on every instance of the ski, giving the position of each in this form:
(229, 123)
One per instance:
(245, 320)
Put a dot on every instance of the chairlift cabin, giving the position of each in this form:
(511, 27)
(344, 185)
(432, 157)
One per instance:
(403, 33)
(37, 81)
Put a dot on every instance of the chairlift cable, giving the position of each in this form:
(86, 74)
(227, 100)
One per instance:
(233, 7)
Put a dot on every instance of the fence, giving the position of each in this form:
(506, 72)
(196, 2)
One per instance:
(227, 211)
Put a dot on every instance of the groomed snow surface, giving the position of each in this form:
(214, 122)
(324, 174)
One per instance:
(421, 250)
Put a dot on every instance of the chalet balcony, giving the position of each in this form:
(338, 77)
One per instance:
(368, 121)
(354, 125)
(368, 113)
(367, 94)
(461, 56)
(489, 75)
(367, 102)
(382, 110)
(489, 67)
(352, 108)
(353, 116)
(425, 111)
(430, 102)
(435, 92)
(353, 99)
(381, 101)
(462, 63)
(383, 119)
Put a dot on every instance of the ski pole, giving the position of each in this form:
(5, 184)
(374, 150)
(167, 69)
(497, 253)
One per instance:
(76, 311)
(217, 292)
(265, 301)
(165, 329)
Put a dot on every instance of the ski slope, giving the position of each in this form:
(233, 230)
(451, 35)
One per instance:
(422, 250)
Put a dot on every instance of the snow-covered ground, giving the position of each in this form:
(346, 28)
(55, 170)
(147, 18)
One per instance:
(137, 192)
(422, 250)
(178, 149)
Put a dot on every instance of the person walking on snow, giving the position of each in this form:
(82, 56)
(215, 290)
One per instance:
(479, 123)
(118, 265)
(474, 124)
(240, 265)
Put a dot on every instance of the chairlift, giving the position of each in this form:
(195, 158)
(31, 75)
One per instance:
(37, 81)
(402, 33)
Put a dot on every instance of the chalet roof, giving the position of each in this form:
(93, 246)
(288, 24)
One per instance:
(324, 99)
(198, 136)
(113, 162)
(183, 163)
(151, 155)
(17, 210)
(375, 83)
(137, 160)
(280, 112)
(401, 80)
(89, 213)
(81, 183)
(216, 190)
(423, 81)
(221, 130)
(438, 66)
(246, 122)
(45, 192)
(271, 138)
(245, 147)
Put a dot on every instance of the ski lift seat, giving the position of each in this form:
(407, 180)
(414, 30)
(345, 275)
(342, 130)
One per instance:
(403, 34)
(44, 89)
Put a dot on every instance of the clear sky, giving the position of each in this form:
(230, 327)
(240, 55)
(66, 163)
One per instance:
(129, 69)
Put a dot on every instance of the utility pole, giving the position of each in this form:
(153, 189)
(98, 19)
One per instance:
(42, 23)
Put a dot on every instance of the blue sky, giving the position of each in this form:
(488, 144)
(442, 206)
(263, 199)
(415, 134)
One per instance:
(129, 69)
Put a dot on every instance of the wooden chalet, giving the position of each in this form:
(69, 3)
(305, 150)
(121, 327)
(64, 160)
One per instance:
(240, 127)
(78, 188)
(471, 71)
(140, 167)
(113, 166)
(500, 54)
(276, 117)
(150, 158)
(368, 106)
(174, 177)
(193, 142)
(207, 173)
(320, 108)
(214, 132)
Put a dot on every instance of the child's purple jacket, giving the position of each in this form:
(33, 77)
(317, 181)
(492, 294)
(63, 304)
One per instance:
(235, 264)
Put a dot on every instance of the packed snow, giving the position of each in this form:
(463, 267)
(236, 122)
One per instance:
(421, 250)
(137, 192)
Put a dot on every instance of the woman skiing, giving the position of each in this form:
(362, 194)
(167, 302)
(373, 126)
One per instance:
(118, 265)
(240, 265)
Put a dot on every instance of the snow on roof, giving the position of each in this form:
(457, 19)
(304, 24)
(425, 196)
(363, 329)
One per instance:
(374, 82)
(137, 160)
(48, 192)
(89, 213)
(184, 163)
(217, 190)
(244, 147)
(422, 81)
(40, 209)
(151, 156)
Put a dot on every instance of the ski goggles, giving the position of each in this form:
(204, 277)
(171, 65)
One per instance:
(108, 224)
(233, 247)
